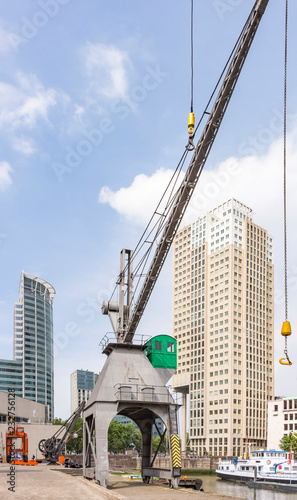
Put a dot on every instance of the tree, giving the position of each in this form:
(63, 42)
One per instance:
(76, 444)
(58, 421)
(122, 437)
(155, 444)
(285, 442)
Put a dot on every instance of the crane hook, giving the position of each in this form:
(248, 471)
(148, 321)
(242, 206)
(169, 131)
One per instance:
(286, 331)
(286, 360)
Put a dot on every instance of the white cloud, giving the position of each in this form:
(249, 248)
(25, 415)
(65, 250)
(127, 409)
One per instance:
(5, 177)
(253, 180)
(107, 67)
(23, 145)
(5, 41)
(25, 103)
(79, 111)
(138, 201)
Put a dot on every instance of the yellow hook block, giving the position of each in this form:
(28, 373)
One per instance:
(191, 123)
(286, 328)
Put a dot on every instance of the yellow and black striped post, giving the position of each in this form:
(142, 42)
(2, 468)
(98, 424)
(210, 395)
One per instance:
(175, 451)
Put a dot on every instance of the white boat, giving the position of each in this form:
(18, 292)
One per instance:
(274, 466)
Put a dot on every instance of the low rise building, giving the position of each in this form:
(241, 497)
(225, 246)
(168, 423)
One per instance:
(30, 415)
(282, 420)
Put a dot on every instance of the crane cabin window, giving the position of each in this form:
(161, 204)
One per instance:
(170, 346)
(158, 345)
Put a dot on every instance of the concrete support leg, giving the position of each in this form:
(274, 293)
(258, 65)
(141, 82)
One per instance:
(146, 430)
(95, 457)
(174, 446)
(102, 471)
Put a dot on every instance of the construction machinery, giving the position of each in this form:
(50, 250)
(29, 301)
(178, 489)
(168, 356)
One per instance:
(128, 383)
(52, 447)
(13, 450)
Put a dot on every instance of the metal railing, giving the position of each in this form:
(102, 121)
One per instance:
(139, 392)
(110, 337)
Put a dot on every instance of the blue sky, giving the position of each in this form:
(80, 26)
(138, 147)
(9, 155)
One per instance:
(94, 101)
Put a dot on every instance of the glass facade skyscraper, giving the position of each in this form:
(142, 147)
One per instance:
(33, 344)
(82, 384)
(11, 376)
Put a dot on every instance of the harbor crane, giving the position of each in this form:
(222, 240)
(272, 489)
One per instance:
(128, 383)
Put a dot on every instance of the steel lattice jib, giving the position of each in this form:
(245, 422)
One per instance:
(161, 351)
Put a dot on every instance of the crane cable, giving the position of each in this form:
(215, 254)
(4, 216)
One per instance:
(286, 328)
(192, 55)
(191, 120)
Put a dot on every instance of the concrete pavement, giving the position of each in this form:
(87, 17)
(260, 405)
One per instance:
(44, 482)
(136, 490)
(40, 482)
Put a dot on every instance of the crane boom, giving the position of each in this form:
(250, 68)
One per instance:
(196, 164)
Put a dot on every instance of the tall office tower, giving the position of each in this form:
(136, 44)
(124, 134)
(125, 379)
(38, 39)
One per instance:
(223, 324)
(82, 384)
(33, 339)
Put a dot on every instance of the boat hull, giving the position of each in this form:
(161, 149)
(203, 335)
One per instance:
(272, 478)
(233, 477)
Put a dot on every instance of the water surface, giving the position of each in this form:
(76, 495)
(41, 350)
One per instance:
(212, 484)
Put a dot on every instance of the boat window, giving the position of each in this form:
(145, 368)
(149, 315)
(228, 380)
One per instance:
(286, 468)
(271, 469)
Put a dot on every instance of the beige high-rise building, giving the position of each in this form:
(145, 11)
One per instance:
(223, 324)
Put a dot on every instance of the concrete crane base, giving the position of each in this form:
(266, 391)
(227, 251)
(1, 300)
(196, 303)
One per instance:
(129, 385)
